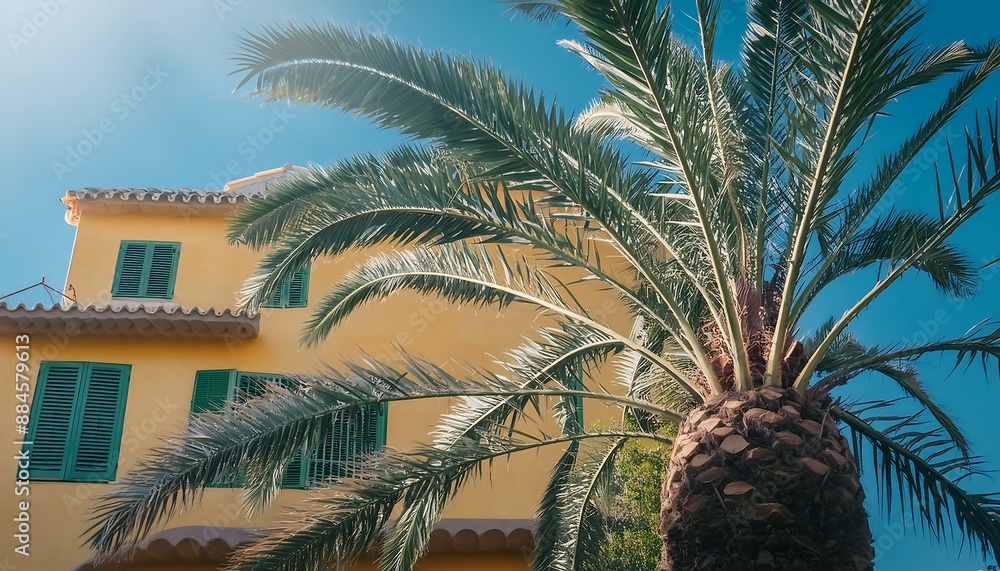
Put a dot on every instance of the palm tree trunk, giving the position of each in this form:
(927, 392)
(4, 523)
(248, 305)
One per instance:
(763, 479)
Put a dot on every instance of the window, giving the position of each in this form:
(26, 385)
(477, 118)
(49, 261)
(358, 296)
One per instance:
(354, 433)
(146, 269)
(76, 421)
(292, 292)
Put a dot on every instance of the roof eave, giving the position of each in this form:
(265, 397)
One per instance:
(216, 544)
(136, 321)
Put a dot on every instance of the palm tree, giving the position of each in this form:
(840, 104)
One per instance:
(730, 195)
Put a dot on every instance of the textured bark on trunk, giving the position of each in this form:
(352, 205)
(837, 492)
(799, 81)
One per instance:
(763, 479)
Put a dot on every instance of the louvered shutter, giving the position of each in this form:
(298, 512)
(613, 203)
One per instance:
(276, 297)
(212, 390)
(353, 435)
(99, 423)
(341, 436)
(322, 460)
(296, 474)
(162, 269)
(292, 292)
(365, 436)
(298, 289)
(252, 385)
(52, 418)
(130, 270)
(146, 269)
(381, 425)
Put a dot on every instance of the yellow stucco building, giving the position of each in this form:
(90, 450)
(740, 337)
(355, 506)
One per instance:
(154, 334)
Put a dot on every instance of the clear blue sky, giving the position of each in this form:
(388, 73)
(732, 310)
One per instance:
(84, 66)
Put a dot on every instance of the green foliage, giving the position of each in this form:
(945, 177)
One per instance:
(633, 518)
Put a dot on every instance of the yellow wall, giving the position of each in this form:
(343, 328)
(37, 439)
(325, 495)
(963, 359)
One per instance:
(209, 275)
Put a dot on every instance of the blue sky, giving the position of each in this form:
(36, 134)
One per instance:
(137, 93)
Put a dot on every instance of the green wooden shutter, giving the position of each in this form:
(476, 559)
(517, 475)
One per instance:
(298, 289)
(52, 417)
(365, 435)
(146, 269)
(292, 292)
(353, 435)
(296, 475)
(130, 269)
(381, 424)
(212, 390)
(327, 460)
(162, 271)
(252, 385)
(76, 424)
(322, 460)
(373, 421)
(341, 436)
(100, 411)
(280, 293)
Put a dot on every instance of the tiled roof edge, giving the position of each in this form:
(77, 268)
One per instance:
(138, 309)
(215, 544)
(183, 195)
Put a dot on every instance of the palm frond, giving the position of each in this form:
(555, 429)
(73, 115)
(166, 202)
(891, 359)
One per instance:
(883, 188)
(848, 359)
(860, 56)
(663, 84)
(423, 505)
(460, 274)
(471, 112)
(261, 437)
(966, 198)
(538, 10)
(771, 46)
(405, 197)
(548, 362)
(912, 465)
(729, 136)
(891, 240)
(570, 523)
(320, 533)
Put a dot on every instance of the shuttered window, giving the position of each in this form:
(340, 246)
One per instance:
(76, 421)
(353, 434)
(146, 269)
(293, 292)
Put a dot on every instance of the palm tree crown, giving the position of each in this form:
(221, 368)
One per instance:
(747, 203)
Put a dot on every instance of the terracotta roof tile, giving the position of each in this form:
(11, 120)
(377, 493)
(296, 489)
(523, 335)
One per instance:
(183, 195)
(124, 318)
